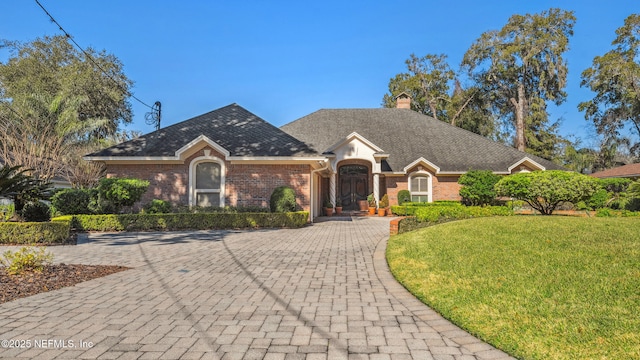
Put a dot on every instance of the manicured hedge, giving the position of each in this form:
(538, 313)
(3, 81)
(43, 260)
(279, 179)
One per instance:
(34, 232)
(440, 213)
(410, 208)
(185, 221)
(423, 216)
(605, 212)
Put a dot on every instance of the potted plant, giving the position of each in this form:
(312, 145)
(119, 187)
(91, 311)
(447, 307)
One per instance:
(328, 207)
(384, 204)
(363, 205)
(338, 207)
(372, 204)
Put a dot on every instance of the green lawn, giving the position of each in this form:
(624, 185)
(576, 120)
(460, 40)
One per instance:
(537, 287)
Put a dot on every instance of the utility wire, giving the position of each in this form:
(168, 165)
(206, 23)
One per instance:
(124, 90)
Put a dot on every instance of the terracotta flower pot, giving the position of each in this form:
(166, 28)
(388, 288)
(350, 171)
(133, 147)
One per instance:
(382, 212)
(338, 210)
(372, 211)
(328, 211)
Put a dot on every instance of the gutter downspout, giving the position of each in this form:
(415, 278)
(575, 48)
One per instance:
(312, 202)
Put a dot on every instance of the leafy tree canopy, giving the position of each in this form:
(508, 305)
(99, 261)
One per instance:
(58, 103)
(615, 79)
(520, 68)
(545, 190)
(436, 92)
(50, 67)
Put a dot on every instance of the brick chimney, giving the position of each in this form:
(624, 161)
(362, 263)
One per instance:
(403, 101)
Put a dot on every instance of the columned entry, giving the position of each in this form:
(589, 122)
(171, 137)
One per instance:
(354, 182)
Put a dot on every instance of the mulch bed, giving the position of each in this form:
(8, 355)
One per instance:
(51, 278)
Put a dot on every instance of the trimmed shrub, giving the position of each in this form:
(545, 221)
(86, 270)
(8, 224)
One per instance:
(32, 233)
(404, 196)
(156, 206)
(371, 200)
(606, 212)
(431, 215)
(116, 193)
(7, 212)
(26, 259)
(36, 211)
(384, 202)
(615, 185)
(283, 199)
(184, 221)
(73, 201)
(546, 190)
(410, 208)
(478, 187)
(598, 200)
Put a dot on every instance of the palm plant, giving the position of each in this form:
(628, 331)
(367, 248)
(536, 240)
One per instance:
(16, 184)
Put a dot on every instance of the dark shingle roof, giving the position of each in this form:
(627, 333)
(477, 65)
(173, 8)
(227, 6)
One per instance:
(407, 136)
(232, 127)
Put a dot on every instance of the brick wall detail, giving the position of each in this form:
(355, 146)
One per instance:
(252, 185)
(245, 185)
(443, 187)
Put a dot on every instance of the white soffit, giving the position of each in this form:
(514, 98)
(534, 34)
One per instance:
(526, 160)
(425, 162)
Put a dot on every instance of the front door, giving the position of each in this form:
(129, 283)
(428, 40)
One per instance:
(353, 185)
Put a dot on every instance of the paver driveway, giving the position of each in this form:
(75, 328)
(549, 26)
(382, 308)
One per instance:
(321, 292)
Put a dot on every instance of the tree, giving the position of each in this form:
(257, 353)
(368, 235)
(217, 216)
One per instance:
(573, 157)
(55, 100)
(52, 66)
(545, 190)
(467, 109)
(521, 68)
(428, 81)
(615, 79)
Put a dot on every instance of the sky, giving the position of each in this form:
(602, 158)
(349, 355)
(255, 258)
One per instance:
(283, 60)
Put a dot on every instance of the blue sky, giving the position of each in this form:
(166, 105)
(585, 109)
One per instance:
(285, 59)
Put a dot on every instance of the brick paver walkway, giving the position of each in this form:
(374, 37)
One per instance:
(321, 292)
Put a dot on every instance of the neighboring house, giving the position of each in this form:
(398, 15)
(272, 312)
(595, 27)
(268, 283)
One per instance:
(631, 171)
(232, 157)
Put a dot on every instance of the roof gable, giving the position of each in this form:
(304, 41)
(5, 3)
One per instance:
(354, 136)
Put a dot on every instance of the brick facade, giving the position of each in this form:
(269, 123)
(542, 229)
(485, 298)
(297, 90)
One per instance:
(443, 187)
(252, 185)
(245, 185)
(446, 188)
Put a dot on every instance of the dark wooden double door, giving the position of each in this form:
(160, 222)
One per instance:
(354, 181)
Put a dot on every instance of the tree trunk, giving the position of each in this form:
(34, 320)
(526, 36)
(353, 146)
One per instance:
(434, 109)
(519, 106)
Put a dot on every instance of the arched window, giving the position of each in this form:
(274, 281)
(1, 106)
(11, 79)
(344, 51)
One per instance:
(207, 183)
(420, 187)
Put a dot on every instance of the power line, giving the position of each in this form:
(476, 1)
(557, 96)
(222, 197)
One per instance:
(124, 90)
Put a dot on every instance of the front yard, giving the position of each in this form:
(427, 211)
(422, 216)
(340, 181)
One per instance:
(536, 287)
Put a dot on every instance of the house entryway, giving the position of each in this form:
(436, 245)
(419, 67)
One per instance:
(353, 185)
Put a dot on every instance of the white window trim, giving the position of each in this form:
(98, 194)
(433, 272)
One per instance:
(192, 179)
(429, 192)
